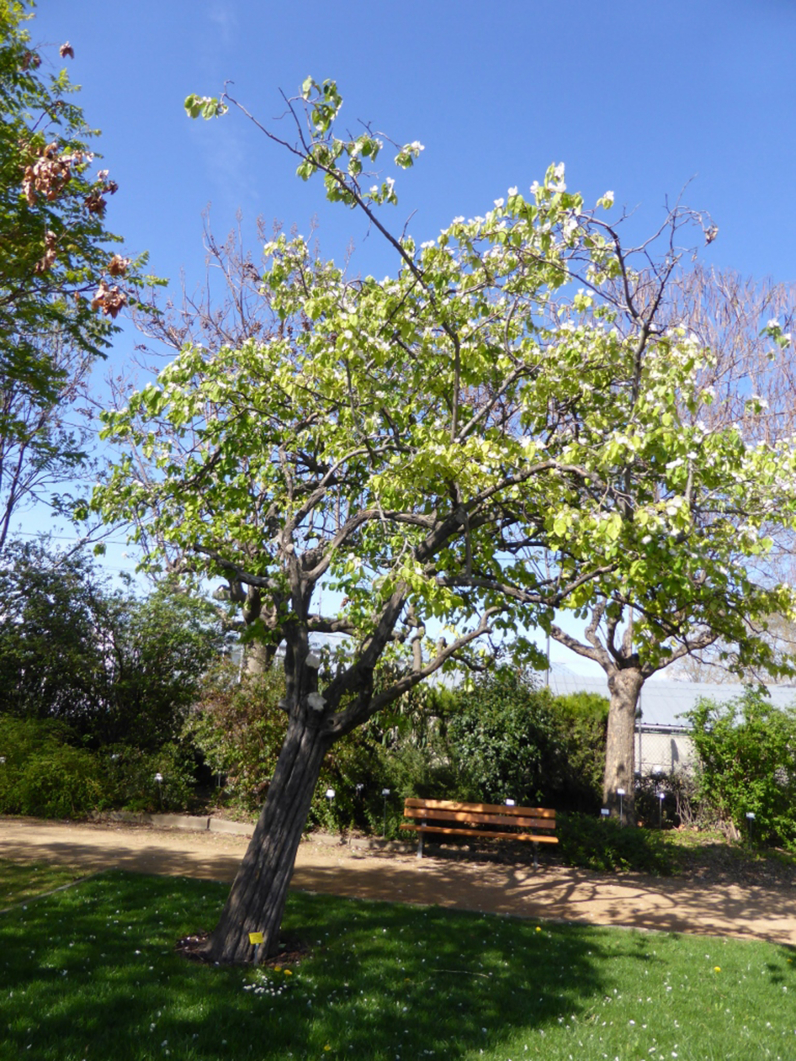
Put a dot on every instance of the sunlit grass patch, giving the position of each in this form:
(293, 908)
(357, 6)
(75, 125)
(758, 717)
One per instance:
(92, 972)
(25, 880)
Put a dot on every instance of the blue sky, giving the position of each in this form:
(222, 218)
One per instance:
(640, 98)
(636, 97)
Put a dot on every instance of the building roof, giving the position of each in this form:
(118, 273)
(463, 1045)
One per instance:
(664, 700)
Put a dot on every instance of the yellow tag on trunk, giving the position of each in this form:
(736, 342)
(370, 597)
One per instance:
(255, 937)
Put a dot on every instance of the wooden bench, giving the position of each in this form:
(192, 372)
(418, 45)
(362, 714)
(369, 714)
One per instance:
(479, 819)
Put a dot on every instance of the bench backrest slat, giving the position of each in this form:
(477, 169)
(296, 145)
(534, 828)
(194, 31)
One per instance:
(480, 818)
(414, 804)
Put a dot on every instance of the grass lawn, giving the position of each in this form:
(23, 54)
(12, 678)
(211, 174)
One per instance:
(91, 972)
(21, 881)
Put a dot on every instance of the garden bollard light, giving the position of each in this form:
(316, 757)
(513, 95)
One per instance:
(385, 793)
(620, 792)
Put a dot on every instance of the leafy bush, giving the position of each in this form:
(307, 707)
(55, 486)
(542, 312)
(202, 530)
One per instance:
(508, 738)
(503, 738)
(47, 774)
(747, 751)
(602, 844)
(238, 728)
(581, 720)
(131, 773)
(44, 775)
(503, 741)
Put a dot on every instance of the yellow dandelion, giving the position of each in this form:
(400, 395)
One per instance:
(288, 972)
(538, 929)
(716, 968)
(327, 1047)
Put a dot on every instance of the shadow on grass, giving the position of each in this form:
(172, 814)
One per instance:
(92, 972)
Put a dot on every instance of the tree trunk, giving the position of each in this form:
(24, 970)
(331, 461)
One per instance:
(624, 687)
(256, 902)
(258, 658)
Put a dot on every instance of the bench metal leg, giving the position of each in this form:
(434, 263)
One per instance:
(535, 855)
(420, 839)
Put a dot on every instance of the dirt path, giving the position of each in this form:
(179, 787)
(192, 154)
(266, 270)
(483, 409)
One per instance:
(681, 905)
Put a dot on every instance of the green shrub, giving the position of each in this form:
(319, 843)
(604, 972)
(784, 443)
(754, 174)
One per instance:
(47, 776)
(503, 738)
(581, 722)
(602, 844)
(747, 751)
(238, 728)
(503, 741)
(44, 775)
(131, 778)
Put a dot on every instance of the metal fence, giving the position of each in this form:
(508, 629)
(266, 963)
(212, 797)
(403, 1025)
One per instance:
(664, 750)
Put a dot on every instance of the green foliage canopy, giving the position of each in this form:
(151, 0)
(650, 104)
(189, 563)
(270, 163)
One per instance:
(414, 441)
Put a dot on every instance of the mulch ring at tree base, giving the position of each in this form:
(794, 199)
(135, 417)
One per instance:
(291, 952)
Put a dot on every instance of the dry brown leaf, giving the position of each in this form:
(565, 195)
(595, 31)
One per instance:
(48, 258)
(66, 49)
(108, 299)
(118, 265)
(48, 175)
(94, 202)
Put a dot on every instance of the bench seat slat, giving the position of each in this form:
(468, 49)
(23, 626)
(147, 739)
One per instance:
(461, 831)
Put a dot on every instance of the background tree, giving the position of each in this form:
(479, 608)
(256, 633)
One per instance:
(51, 664)
(751, 382)
(62, 280)
(672, 596)
(116, 668)
(47, 438)
(730, 314)
(674, 591)
(411, 443)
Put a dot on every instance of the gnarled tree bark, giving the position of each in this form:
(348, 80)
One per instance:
(257, 899)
